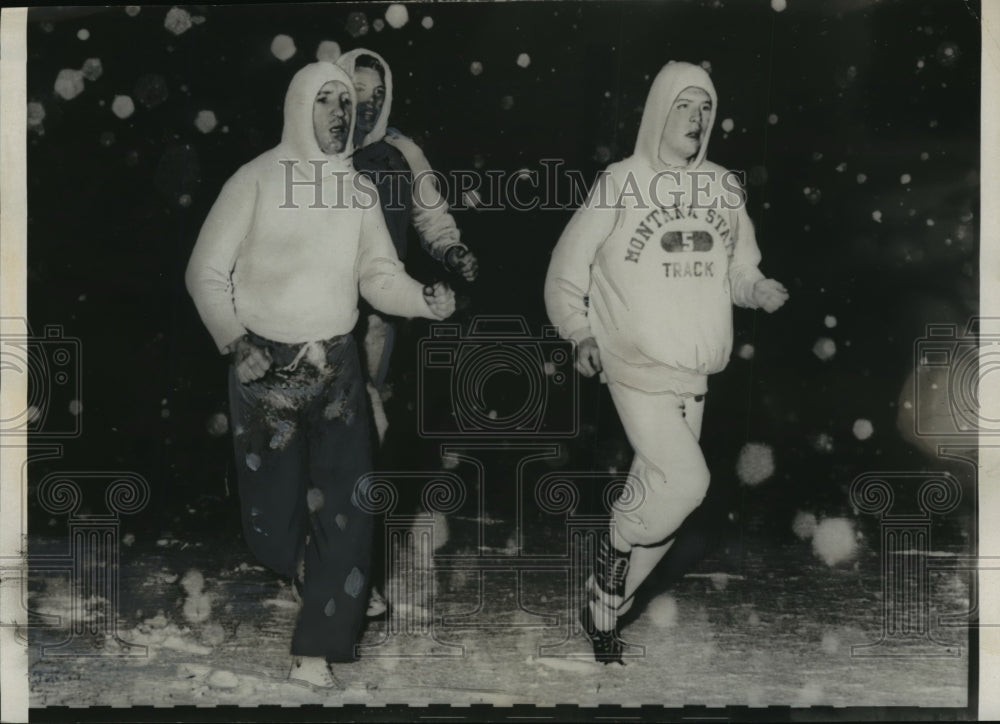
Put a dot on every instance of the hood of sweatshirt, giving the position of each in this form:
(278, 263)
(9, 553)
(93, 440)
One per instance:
(347, 62)
(298, 137)
(673, 78)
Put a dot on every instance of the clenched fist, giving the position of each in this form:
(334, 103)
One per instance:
(588, 357)
(252, 362)
(769, 294)
(440, 299)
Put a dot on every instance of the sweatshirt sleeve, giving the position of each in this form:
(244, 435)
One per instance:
(382, 280)
(743, 271)
(435, 225)
(567, 283)
(209, 271)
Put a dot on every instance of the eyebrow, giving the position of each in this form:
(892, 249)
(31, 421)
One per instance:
(689, 100)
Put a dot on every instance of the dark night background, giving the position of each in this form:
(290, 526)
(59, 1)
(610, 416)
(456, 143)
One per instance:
(857, 88)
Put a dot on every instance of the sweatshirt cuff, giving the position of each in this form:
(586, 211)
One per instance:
(745, 295)
(226, 336)
(580, 334)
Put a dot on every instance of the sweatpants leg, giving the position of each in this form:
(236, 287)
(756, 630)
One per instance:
(338, 554)
(669, 475)
(270, 452)
(645, 558)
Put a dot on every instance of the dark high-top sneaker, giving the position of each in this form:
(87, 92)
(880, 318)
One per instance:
(610, 570)
(607, 645)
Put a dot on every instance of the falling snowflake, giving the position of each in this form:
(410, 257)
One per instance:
(151, 90)
(778, 5)
(205, 121)
(217, 424)
(476, 68)
(69, 84)
(507, 102)
(823, 443)
(283, 47)
(834, 541)
(755, 463)
(132, 10)
(427, 22)
(804, 525)
(905, 179)
(830, 321)
(357, 24)
(83, 34)
(92, 68)
(36, 114)
(825, 348)
(746, 351)
(524, 60)
(662, 611)
(397, 15)
(728, 125)
(75, 407)
(177, 21)
(772, 119)
(863, 429)
(877, 216)
(328, 50)
(122, 106)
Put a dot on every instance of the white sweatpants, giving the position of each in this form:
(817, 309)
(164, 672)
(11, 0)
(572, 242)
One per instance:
(669, 477)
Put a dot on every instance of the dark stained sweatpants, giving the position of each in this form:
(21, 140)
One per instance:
(302, 440)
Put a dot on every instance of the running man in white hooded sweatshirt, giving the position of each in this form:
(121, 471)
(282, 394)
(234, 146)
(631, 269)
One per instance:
(643, 279)
(275, 275)
(408, 195)
(407, 191)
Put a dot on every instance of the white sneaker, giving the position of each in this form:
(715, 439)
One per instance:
(314, 671)
(376, 604)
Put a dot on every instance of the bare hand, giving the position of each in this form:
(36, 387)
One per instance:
(461, 260)
(769, 294)
(588, 357)
(252, 362)
(440, 299)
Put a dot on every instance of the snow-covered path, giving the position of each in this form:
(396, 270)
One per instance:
(772, 627)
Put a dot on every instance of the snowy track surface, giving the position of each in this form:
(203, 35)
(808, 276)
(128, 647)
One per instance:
(774, 626)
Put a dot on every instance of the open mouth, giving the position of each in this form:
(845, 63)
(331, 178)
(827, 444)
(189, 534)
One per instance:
(338, 129)
(694, 135)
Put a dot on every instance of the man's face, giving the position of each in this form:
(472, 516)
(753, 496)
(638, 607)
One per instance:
(684, 126)
(371, 95)
(332, 117)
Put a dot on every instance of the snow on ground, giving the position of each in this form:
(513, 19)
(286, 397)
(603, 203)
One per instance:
(779, 632)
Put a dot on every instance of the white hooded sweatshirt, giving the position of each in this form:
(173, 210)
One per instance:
(435, 226)
(651, 265)
(287, 261)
